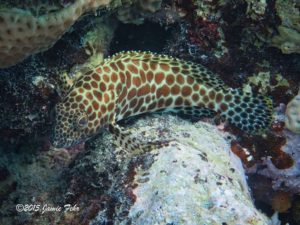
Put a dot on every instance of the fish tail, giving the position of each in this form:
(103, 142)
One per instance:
(251, 113)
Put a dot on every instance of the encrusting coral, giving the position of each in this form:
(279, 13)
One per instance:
(292, 120)
(288, 37)
(23, 34)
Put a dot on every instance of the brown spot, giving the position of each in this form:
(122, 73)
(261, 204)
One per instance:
(186, 91)
(150, 76)
(205, 99)
(119, 88)
(122, 77)
(144, 90)
(185, 72)
(103, 109)
(169, 102)
(223, 107)
(187, 102)
(80, 90)
(133, 103)
(139, 105)
(93, 116)
(123, 94)
(175, 69)
(99, 114)
(202, 92)
(132, 69)
(102, 87)
(106, 78)
(175, 90)
(73, 93)
(153, 88)
(179, 101)
(219, 97)
(114, 77)
(124, 109)
(163, 91)
(106, 69)
(148, 99)
(136, 81)
(180, 79)
(98, 95)
(87, 78)
(136, 62)
(161, 103)
(143, 76)
(153, 66)
(195, 97)
(165, 67)
(86, 102)
(170, 79)
(212, 94)
(211, 105)
(143, 109)
(190, 80)
(228, 98)
(159, 77)
(89, 95)
(128, 80)
(81, 106)
(145, 66)
(127, 114)
(111, 87)
(79, 84)
(89, 110)
(106, 97)
(114, 67)
(152, 106)
(111, 106)
(99, 70)
(120, 65)
(95, 105)
(132, 93)
(78, 98)
(196, 87)
(74, 105)
(94, 84)
(96, 122)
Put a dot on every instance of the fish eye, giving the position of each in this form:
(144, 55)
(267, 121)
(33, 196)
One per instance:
(82, 122)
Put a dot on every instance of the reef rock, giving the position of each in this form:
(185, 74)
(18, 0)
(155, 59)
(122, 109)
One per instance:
(195, 180)
(292, 120)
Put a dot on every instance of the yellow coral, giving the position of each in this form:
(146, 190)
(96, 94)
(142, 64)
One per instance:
(292, 121)
(23, 34)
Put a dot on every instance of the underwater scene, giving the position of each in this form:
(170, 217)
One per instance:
(149, 112)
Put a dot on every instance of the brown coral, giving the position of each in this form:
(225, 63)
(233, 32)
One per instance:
(23, 34)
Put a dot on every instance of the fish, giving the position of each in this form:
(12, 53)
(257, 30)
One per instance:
(131, 83)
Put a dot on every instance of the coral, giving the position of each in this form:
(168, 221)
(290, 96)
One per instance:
(23, 34)
(256, 9)
(288, 37)
(266, 82)
(136, 12)
(292, 119)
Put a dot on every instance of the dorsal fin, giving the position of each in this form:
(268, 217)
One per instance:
(197, 71)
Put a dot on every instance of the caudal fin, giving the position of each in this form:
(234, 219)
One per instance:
(249, 112)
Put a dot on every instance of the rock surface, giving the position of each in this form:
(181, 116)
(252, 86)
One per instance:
(195, 180)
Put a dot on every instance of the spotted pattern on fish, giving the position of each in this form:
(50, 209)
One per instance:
(131, 83)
